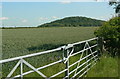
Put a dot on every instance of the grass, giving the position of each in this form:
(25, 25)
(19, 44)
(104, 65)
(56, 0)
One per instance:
(106, 67)
(18, 42)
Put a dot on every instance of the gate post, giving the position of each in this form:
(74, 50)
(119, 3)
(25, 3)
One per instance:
(87, 58)
(100, 44)
(66, 54)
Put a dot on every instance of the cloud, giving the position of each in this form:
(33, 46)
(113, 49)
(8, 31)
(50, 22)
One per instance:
(54, 17)
(24, 21)
(66, 2)
(4, 18)
(43, 18)
(105, 17)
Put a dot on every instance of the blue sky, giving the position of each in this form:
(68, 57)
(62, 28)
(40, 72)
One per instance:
(36, 13)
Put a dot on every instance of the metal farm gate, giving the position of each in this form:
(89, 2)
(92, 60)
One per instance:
(85, 53)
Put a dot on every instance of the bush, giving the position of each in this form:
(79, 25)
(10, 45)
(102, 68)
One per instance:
(110, 31)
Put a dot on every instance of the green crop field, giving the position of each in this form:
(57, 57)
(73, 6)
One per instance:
(23, 41)
(17, 42)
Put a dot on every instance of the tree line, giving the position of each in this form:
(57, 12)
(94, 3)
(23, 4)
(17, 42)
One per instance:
(74, 22)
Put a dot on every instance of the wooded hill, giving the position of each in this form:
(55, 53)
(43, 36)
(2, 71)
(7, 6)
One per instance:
(73, 22)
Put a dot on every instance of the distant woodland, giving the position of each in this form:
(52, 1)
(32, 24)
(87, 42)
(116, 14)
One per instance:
(73, 22)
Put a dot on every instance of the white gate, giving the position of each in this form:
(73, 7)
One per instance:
(88, 55)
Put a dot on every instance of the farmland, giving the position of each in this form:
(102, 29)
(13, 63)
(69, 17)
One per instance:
(17, 42)
(23, 41)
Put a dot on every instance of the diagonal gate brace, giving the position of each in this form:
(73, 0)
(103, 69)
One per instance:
(29, 65)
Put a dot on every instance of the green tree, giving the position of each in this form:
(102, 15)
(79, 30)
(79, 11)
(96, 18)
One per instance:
(75, 21)
(116, 3)
(110, 32)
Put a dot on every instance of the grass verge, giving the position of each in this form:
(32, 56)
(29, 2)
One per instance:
(106, 67)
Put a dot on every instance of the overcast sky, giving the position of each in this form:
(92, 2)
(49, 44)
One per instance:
(36, 13)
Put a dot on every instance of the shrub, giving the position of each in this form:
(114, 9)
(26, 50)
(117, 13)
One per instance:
(110, 31)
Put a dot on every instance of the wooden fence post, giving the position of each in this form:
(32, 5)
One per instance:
(100, 44)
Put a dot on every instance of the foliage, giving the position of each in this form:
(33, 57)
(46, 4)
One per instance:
(110, 31)
(116, 4)
(73, 22)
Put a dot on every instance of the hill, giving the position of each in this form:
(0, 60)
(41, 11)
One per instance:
(73, 22)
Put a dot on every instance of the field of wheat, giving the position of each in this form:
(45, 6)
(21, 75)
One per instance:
(23, 41)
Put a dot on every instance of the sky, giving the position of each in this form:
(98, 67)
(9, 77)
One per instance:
(37, 13)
